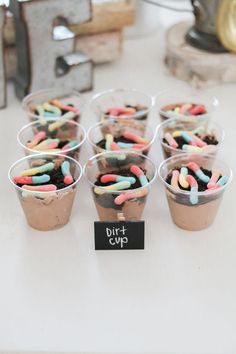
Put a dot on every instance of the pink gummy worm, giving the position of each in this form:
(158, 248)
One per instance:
(108, 178)
(193, 166)
(139, 146)
(37, 138)
(198, 109)
(171, 141)
(136, 171)
(214, 178)
(193, 143)
(199, 142)
(191, 180)
(23, 180)
(185, 108)
(114, 146)
(115, 111)
(68, 179)
(45, 188)
(125, 114)
(60, 105)
(175, 179)
(130, 195)
(65, 147)
(137, 139)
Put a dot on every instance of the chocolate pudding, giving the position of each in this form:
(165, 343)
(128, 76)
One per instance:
(48, 213)
(192, 217)
(194, 195)
(47, 189)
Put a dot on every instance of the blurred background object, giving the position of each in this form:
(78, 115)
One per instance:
(226, 24)
(2, 70)
(188, 45)
(50, 62)
(203, 34)
(101, 38)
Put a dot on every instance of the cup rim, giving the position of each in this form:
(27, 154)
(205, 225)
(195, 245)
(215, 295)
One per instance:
(147, 146)
(113, 90)
(44, 91)
(214, 102)
(48, 120)
(187, 193)
(38, 156)
(170, 120)
(93, 158)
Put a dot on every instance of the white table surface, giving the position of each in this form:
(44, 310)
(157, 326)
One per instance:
(177, 296)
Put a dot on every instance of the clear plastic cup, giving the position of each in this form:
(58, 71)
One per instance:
(98, 131)
(168, 99)
(31, 101)
(46, 210)
(188, 216)
(120, 98)
(207, 128)
(71, 131)
(130, 204)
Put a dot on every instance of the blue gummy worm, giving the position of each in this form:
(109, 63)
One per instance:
(222, 181)
(125, 145)
(131, 180)
(143, 180)
(65, 168)
(186, 137)
(50, 114)
(40, 179)
(72, 143)
(202, 176)
(193, 195)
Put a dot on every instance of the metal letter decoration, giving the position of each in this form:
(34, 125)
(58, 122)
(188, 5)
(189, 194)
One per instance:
(45, 45)
(2, 71)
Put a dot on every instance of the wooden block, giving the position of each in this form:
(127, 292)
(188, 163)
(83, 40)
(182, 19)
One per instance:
(2, 66)
(199, 68)
(108, 16)
(51, 62)
(101, 47)
(9, 30)
(10, 61)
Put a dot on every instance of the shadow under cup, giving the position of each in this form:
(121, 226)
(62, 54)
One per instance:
(46, 211)
(188, 216)
(133, 200)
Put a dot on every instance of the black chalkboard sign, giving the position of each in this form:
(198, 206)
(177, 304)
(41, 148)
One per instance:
(119, 235)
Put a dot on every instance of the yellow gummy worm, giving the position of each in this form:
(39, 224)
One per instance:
(33, 171)
(115, 187)
(61, 121)
(109, 140)
(176, 133)
(182, 179)
(44, 143)
(48, 107)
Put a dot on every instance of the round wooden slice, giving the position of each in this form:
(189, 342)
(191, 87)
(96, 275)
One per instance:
(198, 67)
